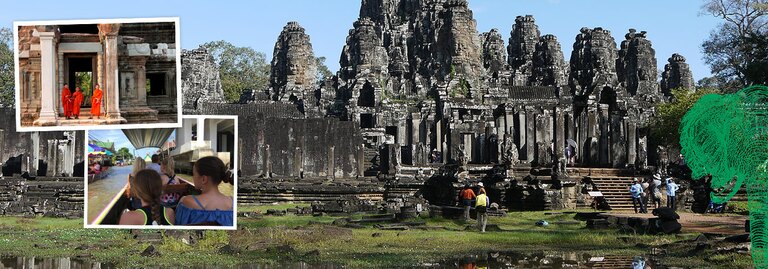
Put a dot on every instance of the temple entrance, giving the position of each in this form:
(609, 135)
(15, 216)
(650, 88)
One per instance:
(80, 73)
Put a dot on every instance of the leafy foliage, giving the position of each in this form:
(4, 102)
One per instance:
(322, 70)
(240, 68)
(736, 48)
(668, 115)
(125, 153)
(6, 68)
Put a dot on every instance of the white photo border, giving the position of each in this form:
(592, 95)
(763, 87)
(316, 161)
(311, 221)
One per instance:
(235, 184)
(17, 90)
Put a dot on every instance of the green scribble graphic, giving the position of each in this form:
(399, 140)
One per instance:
(727, 136)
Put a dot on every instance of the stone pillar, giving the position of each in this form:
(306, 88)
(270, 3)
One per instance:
(35, 153)
(331, 163)
(631, 142)
(530, 135)
(108, 34)
(48, 113)
(559, 133)
(604, 125)
(360, 161)
(618, 141)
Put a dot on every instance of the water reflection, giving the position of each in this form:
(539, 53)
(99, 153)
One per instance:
(49, 263)
(101, 192)
(490, 260)
(539, 260)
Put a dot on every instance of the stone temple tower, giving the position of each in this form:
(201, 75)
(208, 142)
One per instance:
(293, 66)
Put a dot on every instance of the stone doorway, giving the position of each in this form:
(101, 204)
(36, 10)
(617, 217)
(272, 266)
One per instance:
(80, 72)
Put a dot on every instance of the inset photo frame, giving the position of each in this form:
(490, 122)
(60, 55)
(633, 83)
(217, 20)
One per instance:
(163, 178)
(97, 74)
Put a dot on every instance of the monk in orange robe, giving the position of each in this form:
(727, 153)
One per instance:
(66, 100)
(77, 99)
(96, 100)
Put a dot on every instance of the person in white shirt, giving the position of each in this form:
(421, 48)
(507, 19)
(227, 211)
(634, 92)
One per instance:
(155, 164)
(671, 190)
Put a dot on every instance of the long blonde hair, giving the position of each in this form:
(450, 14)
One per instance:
(169, 165)
(138, 165)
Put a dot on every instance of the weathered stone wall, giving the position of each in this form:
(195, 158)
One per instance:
(53, 197)
(276, 137)
(200, 82)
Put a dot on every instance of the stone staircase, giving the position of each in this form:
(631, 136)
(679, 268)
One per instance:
(615, 191)
(613, 183)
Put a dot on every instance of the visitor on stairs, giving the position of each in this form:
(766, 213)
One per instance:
(636, 190)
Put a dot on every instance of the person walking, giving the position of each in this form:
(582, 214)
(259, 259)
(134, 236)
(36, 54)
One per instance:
(467, 196)
(636, 190)
(656, 190)
(481, 207)
(672, 188)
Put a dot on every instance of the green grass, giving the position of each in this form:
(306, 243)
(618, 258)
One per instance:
(279, 239)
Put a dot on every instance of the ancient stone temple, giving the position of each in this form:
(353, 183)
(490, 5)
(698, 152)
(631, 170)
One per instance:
(133, 63)
(42, 172)
(422, 96)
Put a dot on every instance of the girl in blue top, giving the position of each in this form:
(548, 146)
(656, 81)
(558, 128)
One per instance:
(211, 207)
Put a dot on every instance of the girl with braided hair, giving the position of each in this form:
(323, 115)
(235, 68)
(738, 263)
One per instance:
(211, 207)
(147, 187)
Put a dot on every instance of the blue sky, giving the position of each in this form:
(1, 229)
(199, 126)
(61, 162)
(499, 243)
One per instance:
(672, 25)
(121, 141)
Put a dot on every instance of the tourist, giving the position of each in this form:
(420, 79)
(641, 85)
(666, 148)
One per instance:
(96, 99)
(138, 165)
(467, 196)
(168, 176)
(155, 164)
(77, 101)
(481, 208)
(671, 190)
(656, 190)
(66, 101)
(211, 207)
(147, 188)
(636, 190)
(480, 187)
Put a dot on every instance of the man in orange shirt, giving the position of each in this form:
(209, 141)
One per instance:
(467, 196)
(96, 102)
(78, 100)
(66, 101)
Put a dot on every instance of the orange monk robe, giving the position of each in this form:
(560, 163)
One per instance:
(78, 96)
(66, 101)
(96, 102)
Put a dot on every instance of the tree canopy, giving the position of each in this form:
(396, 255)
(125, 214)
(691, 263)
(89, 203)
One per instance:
(669, 114)
(735, 50)
(240, 68)
(7, 82)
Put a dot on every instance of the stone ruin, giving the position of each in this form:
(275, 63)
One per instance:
(42, 171)
(420, 94)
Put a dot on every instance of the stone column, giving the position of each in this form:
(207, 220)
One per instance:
(35, 153)
(48, 113)
(559, 133)
(331, 164)
(631, 142)
(604, 125)
(530, 135)
(108, 34)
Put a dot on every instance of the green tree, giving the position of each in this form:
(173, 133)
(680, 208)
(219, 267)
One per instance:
(125, 153)
(669, 114)
(240, 68)
(7, 82)
(730, 50)
(322, 70)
